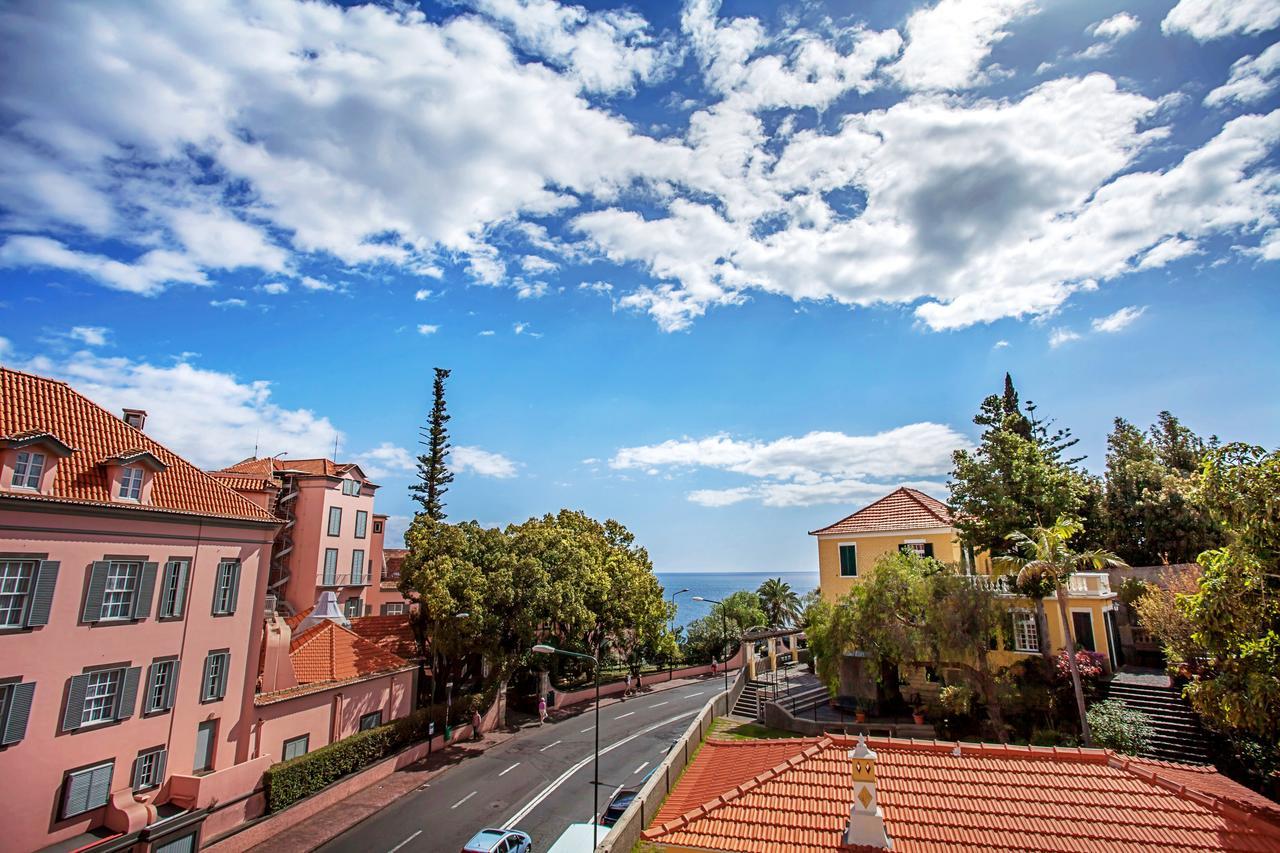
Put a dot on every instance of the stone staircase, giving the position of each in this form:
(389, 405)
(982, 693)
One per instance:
(748, 704)
(1177, 735)
(787, 688)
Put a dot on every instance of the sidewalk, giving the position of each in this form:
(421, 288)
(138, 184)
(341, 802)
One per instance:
(337, 819)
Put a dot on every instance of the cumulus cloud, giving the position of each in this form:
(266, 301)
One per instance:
(1061, 335)
(1252, 79)
(948, 43)
(819, 467)
(1115, 27)
(386, 460)
(422, 295)
(275, 288)
(94, 336)
(228, 303)
(1119, 320)
(427, 329)
(147, 274)
(235, 414)
(1210, 19)
(480, 462)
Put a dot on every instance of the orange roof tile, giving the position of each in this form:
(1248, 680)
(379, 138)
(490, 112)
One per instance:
(327, 652)
(991, 797)
(34, 404)
(390, 633)
(901, 509)
(394, 559)
(269, 466)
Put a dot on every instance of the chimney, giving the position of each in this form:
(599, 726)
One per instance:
(277, 666)
(326, 608)
(866, 818)
(136, 418)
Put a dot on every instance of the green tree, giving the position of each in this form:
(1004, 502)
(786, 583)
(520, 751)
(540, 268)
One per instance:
(713, 637)
(1043, 557)
(434, 476)
(780, 603)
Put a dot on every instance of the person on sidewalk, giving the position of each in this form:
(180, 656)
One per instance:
(476, 734)
(542, 709)
(626, 690)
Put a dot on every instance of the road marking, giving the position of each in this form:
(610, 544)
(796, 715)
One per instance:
(548, 746)
(509, 769)
(620, 716)
(660, 704)
(560, 780)
(463, 800)
(691, 695)
(638, 769)
(406, 841)
(587, 729)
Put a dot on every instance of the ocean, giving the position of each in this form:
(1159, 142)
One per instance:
(720, 584)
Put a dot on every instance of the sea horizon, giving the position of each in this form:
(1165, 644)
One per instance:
(717, 585)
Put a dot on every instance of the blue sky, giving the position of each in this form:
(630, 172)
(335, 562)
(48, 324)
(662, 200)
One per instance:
(722, 272)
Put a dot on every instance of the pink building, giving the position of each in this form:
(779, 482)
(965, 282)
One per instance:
(131, 585)
(384, 597)
(330, 538)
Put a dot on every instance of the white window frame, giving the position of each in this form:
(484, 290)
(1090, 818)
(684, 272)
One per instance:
(377, 526)
(121, 591)
(158, 688)
(28, 469)
(15, 591)
(1026, 633)
(130, 483)
(174, 571)
(101, 697)
(306, 747)
(224, 595)
(215, 682)
(395, 608)
(149, 769)
(376, 722)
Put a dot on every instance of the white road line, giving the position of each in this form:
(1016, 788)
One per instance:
(560, 780)
(463, 800)
(406, 841)
(548, 746)
(509, 769)
(587, 729)
(691, 695)
(660, 704)
(638, 769)
(620, 716)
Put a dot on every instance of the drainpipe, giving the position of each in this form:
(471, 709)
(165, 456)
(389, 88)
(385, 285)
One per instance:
(335, 726)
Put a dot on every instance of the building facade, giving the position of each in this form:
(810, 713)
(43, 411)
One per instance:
(130, 590)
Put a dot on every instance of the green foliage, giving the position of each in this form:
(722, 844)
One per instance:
(434, 475)
(1052, 737)
(290, 781)
(706, 638)
(780, 603)
(1116, 726)
(1131, 589)
(956, 699)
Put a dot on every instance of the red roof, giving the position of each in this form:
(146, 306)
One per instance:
(394, 559)
(901, 509)
(327, 652)
(390, 633)
(990, 797)
(269, 465)
(33, 404)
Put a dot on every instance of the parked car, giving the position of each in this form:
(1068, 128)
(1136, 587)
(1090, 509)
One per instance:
(499, 841)
(618, 805)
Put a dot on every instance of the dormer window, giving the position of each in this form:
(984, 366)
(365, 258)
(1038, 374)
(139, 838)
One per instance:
(28, 468)
(131, 483)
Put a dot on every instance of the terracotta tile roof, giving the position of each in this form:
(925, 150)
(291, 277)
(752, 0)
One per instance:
(269, 466)
(991, 797)
(34, 404)
(390, 633)
(394, 559)
(245, 483)
(901, 509)
(327, 652)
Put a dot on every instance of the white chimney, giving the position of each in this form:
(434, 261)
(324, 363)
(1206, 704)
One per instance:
(136, 418)
(866, 818)
(326, 608)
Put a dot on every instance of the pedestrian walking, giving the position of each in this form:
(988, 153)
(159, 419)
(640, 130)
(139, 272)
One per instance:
(626, 690)
(542, 709)
(475, 725)
(639, 684)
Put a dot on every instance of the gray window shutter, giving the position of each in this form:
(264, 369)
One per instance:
(235, 587)
(77, 801)
(166, 584)
(205, 692)
(173, 685)
(15, 725)
(128, 693)
(42, 592)
(100, 786)
(217, 586)
(137, 772)
(928, 549)
(146, 591)
(175, 587)
(180, 602)
(97, 588)
(225, 674)
(75, 702)
(160, 763)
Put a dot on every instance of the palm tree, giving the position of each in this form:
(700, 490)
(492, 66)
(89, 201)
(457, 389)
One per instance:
(779, 602)
(1044, 559)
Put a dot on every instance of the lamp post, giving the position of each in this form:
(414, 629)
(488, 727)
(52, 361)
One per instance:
(431, 699)
(544, 649)
(671, 664)
(724, 633)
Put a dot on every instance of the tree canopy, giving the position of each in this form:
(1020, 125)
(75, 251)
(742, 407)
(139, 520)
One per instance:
(434, 475)
(780, 603)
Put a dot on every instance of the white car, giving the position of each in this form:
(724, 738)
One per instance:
(499, 841)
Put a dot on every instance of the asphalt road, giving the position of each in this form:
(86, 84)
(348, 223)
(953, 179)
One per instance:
(539, 781)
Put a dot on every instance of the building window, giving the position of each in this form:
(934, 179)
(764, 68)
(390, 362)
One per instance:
(362, 521)
(205, 733)
(335, 520)
(28, 468)
(173, 589)
(182, 844)
(215, 675)
(15, 587)
(226, 588)
(377, 527)
(122, 586)
(295, 747)
(131, 483)
(1026, 635)
(351, 608)
(148, 771)
(15, 709)
(848, 561)
(920, 549)
(357, 566)
(330, 566)
(371, 720)
(394, 608)
(161, 684)
(100, 693)
(87, 789)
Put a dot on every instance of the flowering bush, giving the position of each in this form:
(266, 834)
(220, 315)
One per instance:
(1090, 664)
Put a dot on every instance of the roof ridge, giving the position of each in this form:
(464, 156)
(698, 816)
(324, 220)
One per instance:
(916, 495)
(1216, 802)
(34, 376)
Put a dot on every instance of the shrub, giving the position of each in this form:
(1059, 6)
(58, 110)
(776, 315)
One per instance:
(1118, 727)
(956, 699)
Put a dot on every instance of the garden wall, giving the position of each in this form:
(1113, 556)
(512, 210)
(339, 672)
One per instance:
(615, 688)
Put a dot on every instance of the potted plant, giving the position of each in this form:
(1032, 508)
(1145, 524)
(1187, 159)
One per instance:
(917, 710)
(860, 711)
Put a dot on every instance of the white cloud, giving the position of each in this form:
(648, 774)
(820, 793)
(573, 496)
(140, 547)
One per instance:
(537, 265)
(427, 329)
(6, 347)
(947, 43)
(601, 287)
(1166, 252)
(1252, 79)
(217, 239)
(483, 463)
(531, 289)
(487, 333)
(422, 295)
(1210, 19)
(228, 303)
(146, 275)
(275, 288)
(1116, 27)
(523, 329)
(1000, 345)
(94, 336)
(1119, 320)
(1060, 336)
(386, 460)
(397, 526)
(316, 284)
(234, 415)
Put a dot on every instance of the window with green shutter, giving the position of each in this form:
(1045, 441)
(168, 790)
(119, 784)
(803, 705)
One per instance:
(848, 561)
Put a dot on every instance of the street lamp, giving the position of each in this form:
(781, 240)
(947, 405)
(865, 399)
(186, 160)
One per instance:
(671, 664)
(544, 649)
(724, 633)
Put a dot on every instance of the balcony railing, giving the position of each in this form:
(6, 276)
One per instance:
(333, 579)
(1079, 585)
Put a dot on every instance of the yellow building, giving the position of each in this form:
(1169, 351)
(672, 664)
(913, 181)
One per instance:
(907, 519)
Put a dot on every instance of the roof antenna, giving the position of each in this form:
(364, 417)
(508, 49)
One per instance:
(256, 434)
(335, 447)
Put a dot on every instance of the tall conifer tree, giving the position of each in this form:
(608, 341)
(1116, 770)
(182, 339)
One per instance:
(434, 475)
